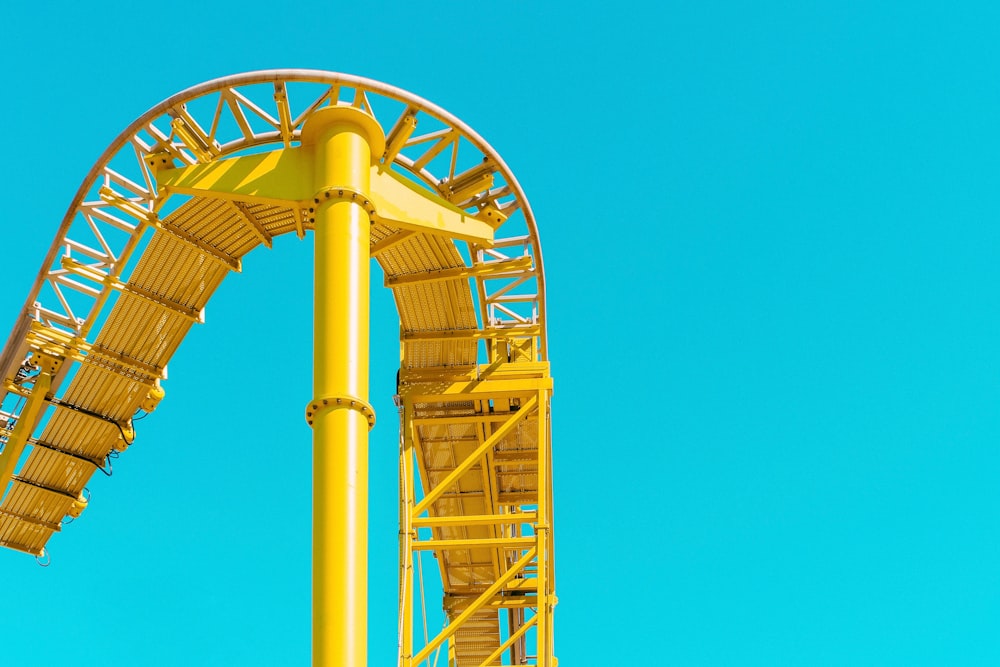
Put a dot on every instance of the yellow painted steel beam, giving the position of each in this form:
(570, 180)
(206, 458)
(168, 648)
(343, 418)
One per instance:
(343, 142)
(491, 388)
(525, 601)
(474, 520)
(475, 543)
(480, 418)
(281, 178)
(492, 269)
(285, 177)
(543, 528)
(472, 334)
(407, 532)
(527, 586)
(399, 134)
(518, 593)
(402, 203)
(493, 371)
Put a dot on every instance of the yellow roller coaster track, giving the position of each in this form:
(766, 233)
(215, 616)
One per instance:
(171, 208)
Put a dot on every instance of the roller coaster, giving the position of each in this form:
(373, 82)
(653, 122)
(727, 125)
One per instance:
(372, 171)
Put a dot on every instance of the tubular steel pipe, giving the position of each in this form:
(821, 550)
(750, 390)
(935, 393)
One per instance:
(345, 139)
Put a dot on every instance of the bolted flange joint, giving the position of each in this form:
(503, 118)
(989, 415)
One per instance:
(335, 193)
(345, 402)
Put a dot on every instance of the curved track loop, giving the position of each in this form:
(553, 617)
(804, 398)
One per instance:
(131, 270)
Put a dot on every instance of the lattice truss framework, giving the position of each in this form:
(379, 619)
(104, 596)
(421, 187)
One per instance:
(132, 268)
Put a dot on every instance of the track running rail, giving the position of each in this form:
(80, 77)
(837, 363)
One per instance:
(133, 266)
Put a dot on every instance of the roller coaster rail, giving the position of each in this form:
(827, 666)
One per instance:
(174, 205)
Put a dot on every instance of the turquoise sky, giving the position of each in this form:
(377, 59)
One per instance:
(771, 244)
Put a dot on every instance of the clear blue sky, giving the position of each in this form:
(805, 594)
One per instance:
(771, 243)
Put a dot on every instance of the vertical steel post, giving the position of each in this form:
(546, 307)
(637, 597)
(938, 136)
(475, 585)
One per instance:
(344, 140)
(406, 535)
(542, 528)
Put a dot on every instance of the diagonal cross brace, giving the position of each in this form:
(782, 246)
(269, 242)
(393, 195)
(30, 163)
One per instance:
(526, 410)
(484, 597)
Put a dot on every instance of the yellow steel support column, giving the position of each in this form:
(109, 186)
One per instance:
(345, 140)
(407, 533)
(521, 391)
(543, 527)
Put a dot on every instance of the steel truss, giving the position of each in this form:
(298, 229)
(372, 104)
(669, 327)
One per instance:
(479, 444)
(137, 258)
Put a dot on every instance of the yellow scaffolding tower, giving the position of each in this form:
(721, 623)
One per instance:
(218, 170)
